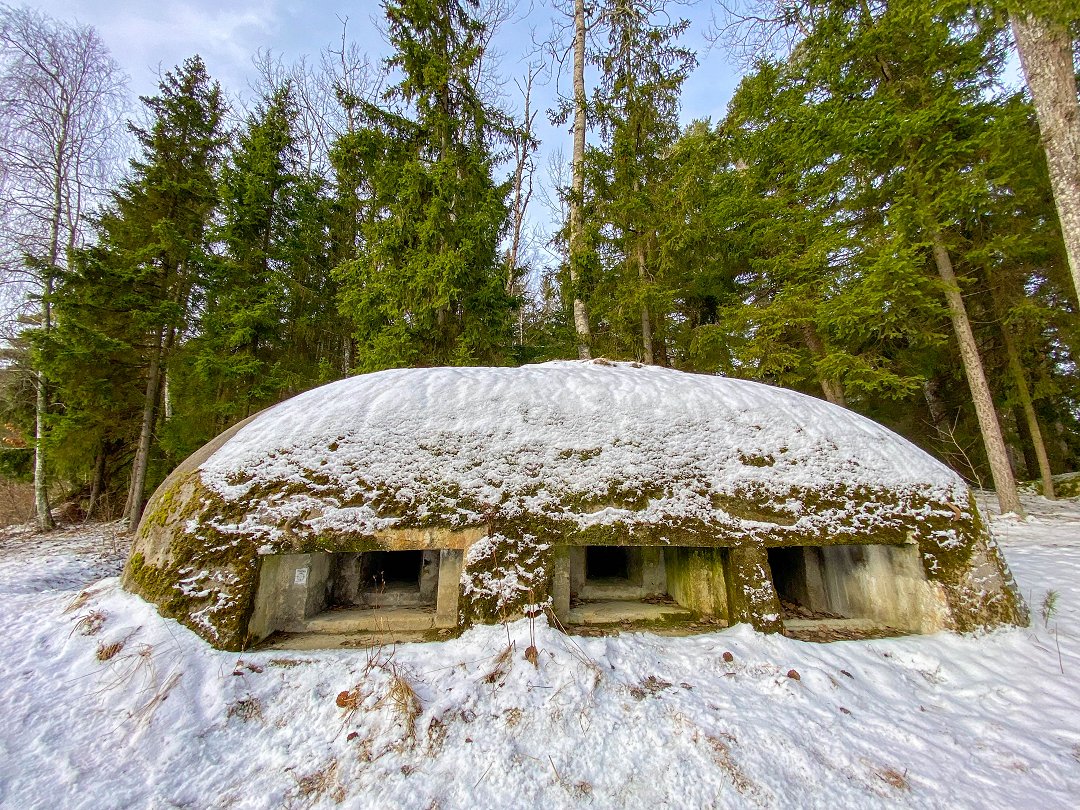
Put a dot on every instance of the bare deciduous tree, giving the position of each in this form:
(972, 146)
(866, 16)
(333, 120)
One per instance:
(62, 100)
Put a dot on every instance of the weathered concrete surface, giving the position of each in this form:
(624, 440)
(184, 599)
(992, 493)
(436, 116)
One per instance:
(359, 620)
(885, 584)
(291, 588)
(451, 562)
(696, 578)
(751, 596)
(616, 611)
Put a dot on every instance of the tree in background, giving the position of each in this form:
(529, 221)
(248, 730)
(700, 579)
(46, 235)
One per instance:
(426, 285)
(901, 96)
(268, 326)
(150, 260)
(1045, 42)
(636, 107)
(61, 99)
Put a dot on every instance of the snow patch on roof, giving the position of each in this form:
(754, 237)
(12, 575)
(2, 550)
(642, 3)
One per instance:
(540, 438)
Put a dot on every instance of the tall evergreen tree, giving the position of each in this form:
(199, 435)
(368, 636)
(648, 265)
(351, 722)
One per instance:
(903, 91)
(425, 286)
(636, 107)
(150, 259)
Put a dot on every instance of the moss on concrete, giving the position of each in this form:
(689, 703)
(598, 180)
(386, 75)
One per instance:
(197, 555)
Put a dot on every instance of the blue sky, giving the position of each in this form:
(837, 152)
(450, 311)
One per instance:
(145, 35)
(148, 36)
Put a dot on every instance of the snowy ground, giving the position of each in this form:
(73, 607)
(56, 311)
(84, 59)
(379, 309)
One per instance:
(634, 721)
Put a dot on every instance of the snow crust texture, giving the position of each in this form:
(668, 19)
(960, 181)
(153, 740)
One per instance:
(591, 442)
(107, 705)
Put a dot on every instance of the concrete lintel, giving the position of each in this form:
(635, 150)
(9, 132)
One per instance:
(429, 539)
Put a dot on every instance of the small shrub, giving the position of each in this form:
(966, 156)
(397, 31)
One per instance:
(1049, 606)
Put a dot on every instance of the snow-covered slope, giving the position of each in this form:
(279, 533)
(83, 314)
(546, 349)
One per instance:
(635, 721)
(594, 442)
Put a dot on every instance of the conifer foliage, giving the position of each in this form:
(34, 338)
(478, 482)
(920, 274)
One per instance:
(425, 286)
(151, 257)
(872, 222)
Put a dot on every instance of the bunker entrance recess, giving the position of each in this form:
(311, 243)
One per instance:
(375, 594)
(861, 586)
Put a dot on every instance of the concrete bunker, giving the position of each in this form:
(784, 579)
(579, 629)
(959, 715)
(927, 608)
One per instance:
(412, 500)
(614, 584)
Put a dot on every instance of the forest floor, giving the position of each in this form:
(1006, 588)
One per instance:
(103, 704)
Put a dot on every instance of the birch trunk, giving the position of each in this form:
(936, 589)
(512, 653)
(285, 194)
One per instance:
(989, 426)
(577, 195)
(1046, 55)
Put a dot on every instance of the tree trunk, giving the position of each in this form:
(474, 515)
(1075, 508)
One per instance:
(135, 501)
(1046, 55)
(935, 405)
(646, 322)
(1030, 419)
(41, 406)
(989, 426)
(97, 481)
(577, 193)
(1031, 464)
(41, 488)
(833, 390)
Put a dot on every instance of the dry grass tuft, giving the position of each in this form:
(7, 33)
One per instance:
(324, 781)
(246, 708)
(400, 696)
(106, 652)
(145, 712)
(722, 756)
(89, 624)
(893, 778)
(650, 686)
(501, 665)
(404, 699)
(80, 599)
(513, 716)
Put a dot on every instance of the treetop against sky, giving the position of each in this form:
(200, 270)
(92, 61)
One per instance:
(150, 37)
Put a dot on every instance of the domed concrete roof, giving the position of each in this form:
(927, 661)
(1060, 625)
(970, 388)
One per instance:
(593, 442)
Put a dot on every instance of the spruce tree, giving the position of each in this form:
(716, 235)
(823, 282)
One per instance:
(425, 286)
(149, 264)
(636, 107)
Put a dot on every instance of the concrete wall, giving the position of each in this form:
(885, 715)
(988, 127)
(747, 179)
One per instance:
(292, 587)
(885, 583)
(645, 575)
(696, 579)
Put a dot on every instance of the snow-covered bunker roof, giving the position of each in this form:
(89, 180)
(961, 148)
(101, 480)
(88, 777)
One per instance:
(565, 452)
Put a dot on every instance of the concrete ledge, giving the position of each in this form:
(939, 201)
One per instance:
(832, 624)
(614, 612)
(360, 620)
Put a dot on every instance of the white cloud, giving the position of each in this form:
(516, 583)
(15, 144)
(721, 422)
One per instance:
(145, 36)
